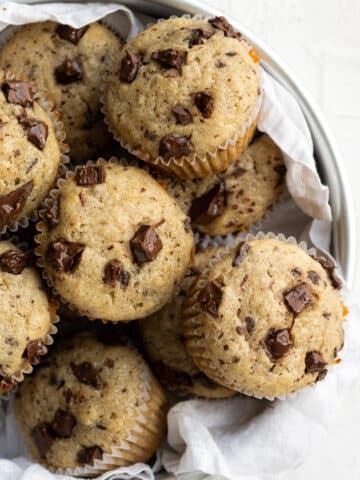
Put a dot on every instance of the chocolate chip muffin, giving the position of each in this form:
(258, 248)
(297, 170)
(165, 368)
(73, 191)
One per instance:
(29, 150)
(266, 320)
(90, 402)
(114, 244)
(67, 65)
(185, 95)
(27, 315)
(237, 197)
(162, 339)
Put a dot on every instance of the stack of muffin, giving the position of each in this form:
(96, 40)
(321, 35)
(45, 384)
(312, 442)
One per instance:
(162, 142)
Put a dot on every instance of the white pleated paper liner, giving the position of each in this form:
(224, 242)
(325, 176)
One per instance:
(192, 308)
(23, 221)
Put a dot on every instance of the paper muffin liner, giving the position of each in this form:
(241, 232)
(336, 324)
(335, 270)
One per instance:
(212, 161)
(54, 115)
(6, 388)
(192, 308)
(141, 441)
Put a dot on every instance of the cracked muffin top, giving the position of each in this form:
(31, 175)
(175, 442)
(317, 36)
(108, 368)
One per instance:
(267, 319)
(29, 150)
(114, 244)
(68, 66)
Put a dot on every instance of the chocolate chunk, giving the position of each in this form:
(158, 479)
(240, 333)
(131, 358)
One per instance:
(278, 342)
(241, 330)
(87, 455)
(129, 66)
(12, 204)
(221, 23)
(209, 206)
(145, 244)
(43, 438)
(13, 262)
(322, 374)
(116, 273)
(205, 103)
(19, 93)
(64, 255)
(69, 71)
(63, 423)
(169, 58)
(240, 254)
(298, 297)
(52, 214)
(330, 268)
(182, 115)
(86, 373)
(314, 277)
(71, 34)
(175, 146)
(198, 36)
(210, 297)
(314, 362)
(220, 64)
(250, 324)
(34, 350)
(296, 272)
(87, 176)
(238, 172)
(36, 131)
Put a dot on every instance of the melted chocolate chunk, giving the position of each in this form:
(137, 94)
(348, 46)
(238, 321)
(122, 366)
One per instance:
(298, 297)
(69, 71)
(34, 350)
(18, 93)
(209, 206)
(210, 297)
(116, 273)
(250, 324)
(145, 244)
(13, 261)
(175, 146)
(43, 438)
(182, 115)
(330, 268)
(52, 213)
(129, 66)
(314, 277)
(314, 362)
(71, 34)
(278, 342)
(64, 255)
(12, 204)
(322, 374)
(87, 455)
(36, 131)
(221, 23)
(63, 423)
(240, 254)
(169, 58)
(87, 176)
(205, 103)
(86, 373)
(198, 36)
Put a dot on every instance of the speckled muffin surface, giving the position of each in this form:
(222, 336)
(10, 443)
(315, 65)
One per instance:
(237, 197)
(162, 339)
(196, 81)
(29, 150)
(114, 244)
(88, 398)
(26, 314)
(269, 319)
(67, 65)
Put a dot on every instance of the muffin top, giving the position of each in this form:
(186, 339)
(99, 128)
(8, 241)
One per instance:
(267, 319)
(29, 151)
(87, 398)
(237, 197)
(163, 342)
(67, 65)
(196, 82)
(114, 244)
(26, 314)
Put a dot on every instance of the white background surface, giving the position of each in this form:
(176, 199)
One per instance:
(320, 40)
